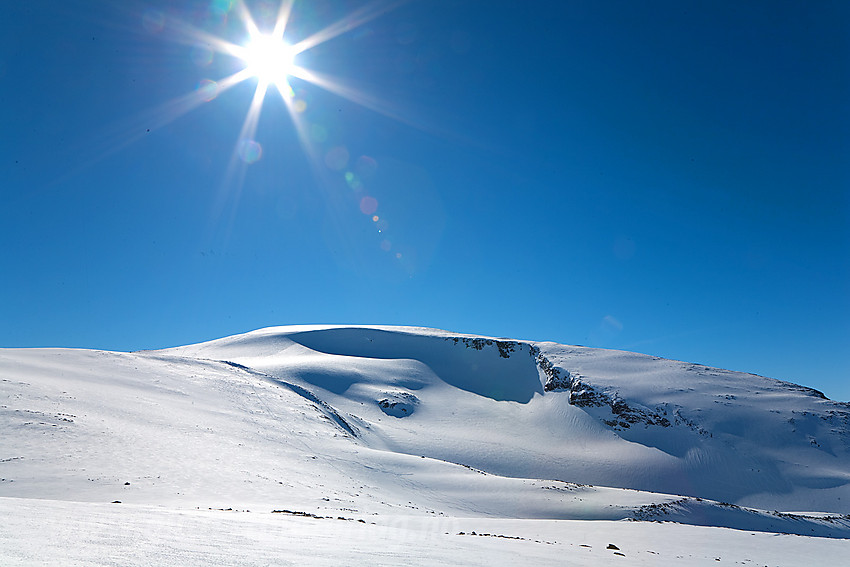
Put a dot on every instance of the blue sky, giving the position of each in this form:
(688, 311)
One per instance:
(663, 177)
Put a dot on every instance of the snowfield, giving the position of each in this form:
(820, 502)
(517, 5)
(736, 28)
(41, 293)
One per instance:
(324, 445)
(49, 532)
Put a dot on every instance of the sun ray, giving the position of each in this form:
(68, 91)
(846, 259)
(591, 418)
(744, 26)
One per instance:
(354, 20)
(188, 34)
(247, 19)
(122, 134)
(170, 111)
(282, 19)
(357, 96)
(242, 152)
(252, 117)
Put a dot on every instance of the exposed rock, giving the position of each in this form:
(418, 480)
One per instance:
(505, 347)
(583, 394)
(398, 404)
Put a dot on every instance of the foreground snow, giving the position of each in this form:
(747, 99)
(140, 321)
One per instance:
(412, 436)
(40, 532)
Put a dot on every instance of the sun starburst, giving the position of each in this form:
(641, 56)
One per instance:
(271, 60)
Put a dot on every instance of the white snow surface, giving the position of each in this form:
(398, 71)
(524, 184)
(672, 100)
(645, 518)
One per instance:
(391, 445)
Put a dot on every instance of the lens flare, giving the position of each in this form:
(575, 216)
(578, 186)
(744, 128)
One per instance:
(221, 7)
(368, 205)
(202, 55)
(318, 133)
(153, 21)
(366, 167)
(207, 89)
(337, 158)
(353, 181)
(250, 151)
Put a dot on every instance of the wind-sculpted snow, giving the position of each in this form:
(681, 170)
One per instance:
(698, 511)
(483, 366)
(348, 421)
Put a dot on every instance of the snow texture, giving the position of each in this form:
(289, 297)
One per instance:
(400, 445)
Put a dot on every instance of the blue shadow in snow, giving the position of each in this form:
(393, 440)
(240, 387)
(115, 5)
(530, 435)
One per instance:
(481, 367)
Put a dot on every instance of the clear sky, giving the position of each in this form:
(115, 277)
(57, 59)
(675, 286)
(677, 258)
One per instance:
(667, 177)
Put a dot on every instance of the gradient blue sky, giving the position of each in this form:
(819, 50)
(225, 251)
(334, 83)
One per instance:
(667, 177)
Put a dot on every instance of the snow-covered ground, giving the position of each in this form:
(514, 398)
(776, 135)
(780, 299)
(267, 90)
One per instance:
(392, 445)
(42, 532)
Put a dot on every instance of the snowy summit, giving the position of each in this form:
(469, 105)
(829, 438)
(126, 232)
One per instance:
(402, 445)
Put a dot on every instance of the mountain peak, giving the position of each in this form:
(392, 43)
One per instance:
(426, 421)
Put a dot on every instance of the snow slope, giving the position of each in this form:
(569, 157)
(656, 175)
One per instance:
(382, 424)
(542, 410)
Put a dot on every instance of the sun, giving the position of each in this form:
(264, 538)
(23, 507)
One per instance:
(265, 54)
(269, 58)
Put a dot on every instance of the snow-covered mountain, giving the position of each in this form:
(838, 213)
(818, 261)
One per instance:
(365, 423)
